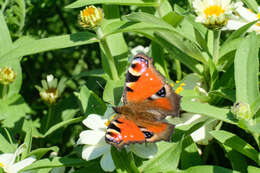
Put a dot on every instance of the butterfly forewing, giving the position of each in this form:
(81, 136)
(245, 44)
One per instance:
(145, 84)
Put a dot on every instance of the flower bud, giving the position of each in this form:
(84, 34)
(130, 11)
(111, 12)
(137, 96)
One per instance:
(7, 75)
(90, 17)
(242, 110)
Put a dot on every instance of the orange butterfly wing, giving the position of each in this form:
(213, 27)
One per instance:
(124, 130)
(145, 84)
(148, 99)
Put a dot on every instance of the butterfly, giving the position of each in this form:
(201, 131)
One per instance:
(147, 100)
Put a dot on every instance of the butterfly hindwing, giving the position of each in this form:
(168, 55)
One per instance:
(124, 129)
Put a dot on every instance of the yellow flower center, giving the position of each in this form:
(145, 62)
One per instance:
(51, 91)
(213, 10)
(1, 165)
(258, 16)
(109, 121)
(180, 89)
(172, 84)
(88, 11)
(7, 71)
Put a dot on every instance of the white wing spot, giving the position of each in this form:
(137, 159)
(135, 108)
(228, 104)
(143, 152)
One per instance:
(151, 78)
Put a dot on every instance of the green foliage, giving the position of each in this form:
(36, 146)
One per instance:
(218, 71)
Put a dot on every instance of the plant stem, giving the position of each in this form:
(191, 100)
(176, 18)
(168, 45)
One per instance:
(216, 36)
(5, 91)
(48, 118)
(4, 5)
(110, 59)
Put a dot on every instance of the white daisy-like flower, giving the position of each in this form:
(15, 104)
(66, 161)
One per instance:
(96, 146)
(243, 16)
(139, 49)
(200, 136)
(214, 14)
(7, 161)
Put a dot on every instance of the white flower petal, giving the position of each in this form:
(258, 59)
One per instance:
(147, 150)
(139, 49)
(91, 137)
(7, 158)
(22, 164)
(189, 118)
(94, 121)
(49, 78)
(107, 162)
(92, 152)
(234, 24)
(246, 14)
(202, 135)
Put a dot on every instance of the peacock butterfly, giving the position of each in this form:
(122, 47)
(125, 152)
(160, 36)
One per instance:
(147, 99)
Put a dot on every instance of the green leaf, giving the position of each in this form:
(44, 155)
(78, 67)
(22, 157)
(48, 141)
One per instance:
(13, 110)
(236, 143)
(255, 106)
(20, 11)
(236, 159)
(28, 46)
(40, 152)
(173, 18)
(28, 143)
(159, 62)
(55, 162)
(147, 18)
(252, 4)
(227, 48)
(189, 156)
(253, 169)
(90, 102)
(113, 91)
(81, 3)
(167, 158)
(5, 146)
(62, 125)
(124, 161)
(5, 39)
(205, 169)
(240, 32)
(207, 110)
(168, 41)
(246, 70)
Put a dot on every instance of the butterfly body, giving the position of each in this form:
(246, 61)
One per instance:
(147, 99)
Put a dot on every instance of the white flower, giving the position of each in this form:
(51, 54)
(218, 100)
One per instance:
(7, 161)
(243, 17)
(201, 135)
(139, 49)
(50, 78)
(213, 14)
(95, 145)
